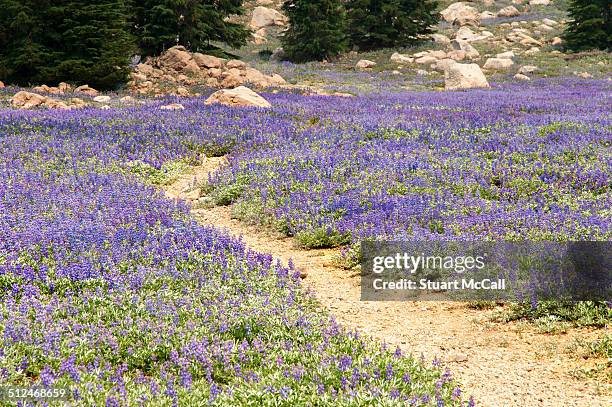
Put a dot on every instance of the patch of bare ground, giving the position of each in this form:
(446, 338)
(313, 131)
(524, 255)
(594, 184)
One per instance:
(500, 364)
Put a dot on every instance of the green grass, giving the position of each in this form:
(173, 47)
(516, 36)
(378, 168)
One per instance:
(168, 173)
(550, 316)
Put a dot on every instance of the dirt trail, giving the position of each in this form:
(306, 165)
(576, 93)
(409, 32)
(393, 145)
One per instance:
(499, 364)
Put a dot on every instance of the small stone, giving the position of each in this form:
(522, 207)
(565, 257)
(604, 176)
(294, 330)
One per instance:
(427, 59)
(401, 59)
(440, 39)
(584, 75)
(507, 54)
(365, 64)
(443, 64)
(102, 99)
(457, 357)
(173, 106)
(87, 90)
(181, 91)
(498, 63)
(527, 69)
(438, 54)
(521, 77)
(509, 11)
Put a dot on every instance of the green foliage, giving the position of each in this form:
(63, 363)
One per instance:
(582, 313)
(92, 42)
(168, 173)
(591, 27)
(96, 44)
(161, 24)
(24, 38)
(322, 238)
(316, 30)
(599, 348)
(53, 41)
(375, 24)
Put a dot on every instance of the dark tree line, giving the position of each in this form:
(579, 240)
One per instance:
(48, 41)
(324, 28)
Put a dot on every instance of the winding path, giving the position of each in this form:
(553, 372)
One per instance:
(499, 364)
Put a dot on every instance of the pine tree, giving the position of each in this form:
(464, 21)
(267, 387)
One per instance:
(377, 24)
(64, 40)
(26, 39)
(195, 24)
(316, 29)
(95, 43)
(591, 27)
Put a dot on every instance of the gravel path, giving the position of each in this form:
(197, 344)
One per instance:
(499, 364)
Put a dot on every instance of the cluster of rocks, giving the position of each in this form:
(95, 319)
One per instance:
(462, 13)
(177, 68)
(64, 88)
(514, 38)
(29, 100)
(465, 16)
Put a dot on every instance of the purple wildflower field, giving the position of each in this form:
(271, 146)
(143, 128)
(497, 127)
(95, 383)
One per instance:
(112, 290)
(115, 291)
(521, 162)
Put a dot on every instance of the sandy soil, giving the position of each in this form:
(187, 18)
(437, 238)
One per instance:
(499, 364)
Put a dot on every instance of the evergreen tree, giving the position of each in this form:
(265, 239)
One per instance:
(64, 40)
(591, 27)
(95, 43)
(195, 24)
(316, 29)
(26, 39)
(389, 23)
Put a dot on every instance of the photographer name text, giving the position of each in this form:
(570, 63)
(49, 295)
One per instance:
(425, 284)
